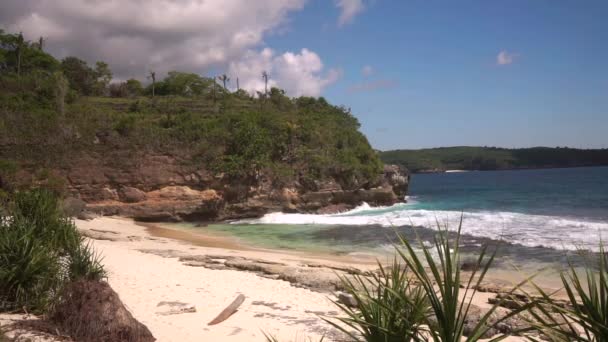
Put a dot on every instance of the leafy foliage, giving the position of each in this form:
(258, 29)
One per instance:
(493, 158)
(40, 250)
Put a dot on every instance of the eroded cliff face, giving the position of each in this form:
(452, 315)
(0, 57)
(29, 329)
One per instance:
(167, 188)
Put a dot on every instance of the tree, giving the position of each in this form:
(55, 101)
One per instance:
(103, 77)
(134, 87)
(224, 79)
(237, 84)
(153, 78)
(265, 77)
(81, 77)
(184, 84)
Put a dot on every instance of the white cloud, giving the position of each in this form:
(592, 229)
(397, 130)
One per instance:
(505, 58)
(367, 71)
(298, 73)
(135, 36)
(349, 9)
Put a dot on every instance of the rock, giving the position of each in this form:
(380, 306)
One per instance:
(474, 315)
(334, 209)
(181, 193)
(398, 177)
(108, 194)
(318, 199)
(73, 206)
(378, 196)
(174, 308)
(510, 301)
(92, 311)
(86, 215)
(347, 299)
(132, 195)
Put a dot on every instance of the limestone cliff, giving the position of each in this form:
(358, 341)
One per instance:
(161, 188)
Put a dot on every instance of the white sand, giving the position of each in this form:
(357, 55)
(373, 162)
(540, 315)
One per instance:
(272, 306)
(143, 280)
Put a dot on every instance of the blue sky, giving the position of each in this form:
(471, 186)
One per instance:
(433, 78)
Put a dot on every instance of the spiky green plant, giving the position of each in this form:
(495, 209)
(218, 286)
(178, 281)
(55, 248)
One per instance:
(441, 280)
(390, 308)
(423, 300)
(40, 250)
(585, 318)
(85, 263)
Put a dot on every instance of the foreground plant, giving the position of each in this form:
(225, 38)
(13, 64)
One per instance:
(423, 300)
(40, 251)
(585, 317)
(389, 306)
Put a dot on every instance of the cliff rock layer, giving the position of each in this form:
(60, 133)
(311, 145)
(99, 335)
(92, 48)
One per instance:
(161, 188)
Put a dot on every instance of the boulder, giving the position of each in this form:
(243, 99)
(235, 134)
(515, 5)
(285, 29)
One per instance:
(108, 194)
(132, 195)
(180, 193)
(398, 177)
(347, 299)
(92, 311)
(73, 206)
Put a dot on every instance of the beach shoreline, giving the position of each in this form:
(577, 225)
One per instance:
(176, 282)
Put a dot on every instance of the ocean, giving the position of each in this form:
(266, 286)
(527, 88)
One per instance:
(534, 213)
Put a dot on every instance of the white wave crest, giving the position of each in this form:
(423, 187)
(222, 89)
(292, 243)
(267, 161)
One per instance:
(528, 230)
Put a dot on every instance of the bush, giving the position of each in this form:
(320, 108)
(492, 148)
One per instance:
(40, 250)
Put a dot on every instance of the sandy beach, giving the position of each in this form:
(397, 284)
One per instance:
(154, 275)
(143, 280)
(177, 281)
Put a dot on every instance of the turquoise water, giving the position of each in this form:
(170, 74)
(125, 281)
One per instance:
(537, 212)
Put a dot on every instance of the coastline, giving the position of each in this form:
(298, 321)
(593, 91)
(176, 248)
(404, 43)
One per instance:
(287, 293)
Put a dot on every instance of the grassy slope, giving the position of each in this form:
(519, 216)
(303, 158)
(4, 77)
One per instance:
(237, 134)
(490, 158)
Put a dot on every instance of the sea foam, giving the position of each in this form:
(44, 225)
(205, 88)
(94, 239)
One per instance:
(525, 229)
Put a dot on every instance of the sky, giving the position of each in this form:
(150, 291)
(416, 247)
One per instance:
(416, 73)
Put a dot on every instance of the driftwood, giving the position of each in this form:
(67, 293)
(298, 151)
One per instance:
(229, 310)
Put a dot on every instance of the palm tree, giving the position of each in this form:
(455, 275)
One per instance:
(153, 77)
(265, 77)
(224, 79)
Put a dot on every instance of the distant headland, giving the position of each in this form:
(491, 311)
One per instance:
(470, 158)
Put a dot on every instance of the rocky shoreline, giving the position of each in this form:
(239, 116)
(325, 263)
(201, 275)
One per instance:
(161, 188)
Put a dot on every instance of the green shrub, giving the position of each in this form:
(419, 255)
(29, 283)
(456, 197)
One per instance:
(40, 250)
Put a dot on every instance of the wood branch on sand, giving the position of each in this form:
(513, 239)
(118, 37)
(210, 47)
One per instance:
(228, 311)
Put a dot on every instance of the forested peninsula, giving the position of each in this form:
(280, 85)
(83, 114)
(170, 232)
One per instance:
(494, 158)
